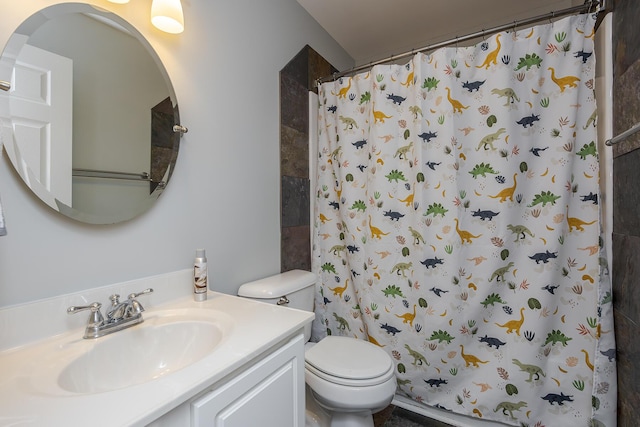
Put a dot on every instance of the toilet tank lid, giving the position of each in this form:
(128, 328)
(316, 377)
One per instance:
(278, 285)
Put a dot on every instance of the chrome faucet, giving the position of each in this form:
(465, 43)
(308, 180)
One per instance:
(122, 315)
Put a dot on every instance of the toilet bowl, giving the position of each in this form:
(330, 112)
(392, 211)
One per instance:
(348, 379)
(351, 379)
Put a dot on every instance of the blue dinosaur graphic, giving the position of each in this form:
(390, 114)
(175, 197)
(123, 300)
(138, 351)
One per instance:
(438, 291)
(395, 216)
(583, 55)
(432, 262)
(436, 382)
(473, 85)
(492, 341)
(536, 151)
(390, 329)
(557, 398)
(543, 257)
(590, 198)
(332, 109)
(353, 249)
(428, 136)
(359, 144)
(396, 98)
(432, 165)
(528, 120)
(551, 288)
(610, 354)
(484, 214)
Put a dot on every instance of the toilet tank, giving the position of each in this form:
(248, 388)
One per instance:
(293, 289)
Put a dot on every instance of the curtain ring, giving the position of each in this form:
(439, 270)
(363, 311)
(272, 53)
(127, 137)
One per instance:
(515, 28)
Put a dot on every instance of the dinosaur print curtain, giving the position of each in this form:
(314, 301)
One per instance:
(457, 226)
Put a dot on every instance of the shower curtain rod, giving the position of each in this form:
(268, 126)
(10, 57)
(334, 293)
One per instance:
(587, 6)
(624, 135)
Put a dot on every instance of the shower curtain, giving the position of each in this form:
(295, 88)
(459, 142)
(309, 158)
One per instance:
(457, 226)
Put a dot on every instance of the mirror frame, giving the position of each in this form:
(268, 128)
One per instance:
(9, 57)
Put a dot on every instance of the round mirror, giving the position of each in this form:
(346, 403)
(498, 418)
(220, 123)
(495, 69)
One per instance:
(87, 113)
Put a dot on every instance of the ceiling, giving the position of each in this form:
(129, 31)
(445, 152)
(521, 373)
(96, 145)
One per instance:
(371, 30)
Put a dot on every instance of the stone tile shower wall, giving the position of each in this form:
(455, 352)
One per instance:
(297, 78)
(626, 208)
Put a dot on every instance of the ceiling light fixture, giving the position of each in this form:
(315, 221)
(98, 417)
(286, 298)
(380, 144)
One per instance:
(119, 1)
(166, 15)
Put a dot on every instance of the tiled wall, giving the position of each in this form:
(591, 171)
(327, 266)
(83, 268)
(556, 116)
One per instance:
(626, 209)
(297, 78)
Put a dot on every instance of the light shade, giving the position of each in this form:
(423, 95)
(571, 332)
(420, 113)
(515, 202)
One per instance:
(119, 1)
(166, 15)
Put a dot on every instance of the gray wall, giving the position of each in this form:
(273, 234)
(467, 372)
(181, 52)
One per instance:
(225, 193)
(626, 203)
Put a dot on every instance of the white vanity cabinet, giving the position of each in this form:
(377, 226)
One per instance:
(268, 391)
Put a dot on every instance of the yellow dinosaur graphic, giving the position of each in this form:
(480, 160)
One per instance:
(379, 116)
(514, 325)
(508, 192)
(492, 57)
(465, 236)
(457, 105)
(409, 199)
(376, 233)
(344, 91)
(470, 359)
(577, 223)
(408, 317)
(409, 80)
(339, 290)
(563, 82)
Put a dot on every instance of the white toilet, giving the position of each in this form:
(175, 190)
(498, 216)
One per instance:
(349, 379)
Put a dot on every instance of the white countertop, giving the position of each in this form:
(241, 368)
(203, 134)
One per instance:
(25, 401)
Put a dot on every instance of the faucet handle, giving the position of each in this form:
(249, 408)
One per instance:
(95, 317)
(136, 295)
(115, 300)
(134, 306)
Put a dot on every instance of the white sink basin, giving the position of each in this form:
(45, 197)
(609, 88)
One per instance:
(164, 343)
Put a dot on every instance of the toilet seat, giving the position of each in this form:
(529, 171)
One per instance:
(349, 362)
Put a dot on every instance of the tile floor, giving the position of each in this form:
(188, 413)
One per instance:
(394, 416)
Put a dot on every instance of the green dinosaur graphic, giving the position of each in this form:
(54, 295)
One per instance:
(520, 231)
(401, 268)
(544, 198)
(529, 60)
(359, 205)
(555, 336)
(482, 169)
(392, 290)
(492, 299)
(510, 407)
(436, 209)
(430, 83)
(395, 175)
(342, 322)
(337, 249)
(417, 237)
(401, 153)
(441, 336)
(587, 150)
(329, 268)
(529, 369)
(418, 358)
(500, 272)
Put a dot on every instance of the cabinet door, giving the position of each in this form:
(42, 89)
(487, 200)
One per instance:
(268, 394)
